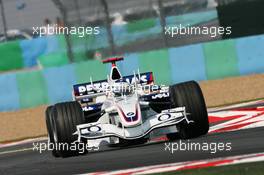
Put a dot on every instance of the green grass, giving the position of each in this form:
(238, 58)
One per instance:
(255, 168)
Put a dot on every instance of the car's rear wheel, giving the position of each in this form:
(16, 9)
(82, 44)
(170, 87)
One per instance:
(67, 116)
(189, 95)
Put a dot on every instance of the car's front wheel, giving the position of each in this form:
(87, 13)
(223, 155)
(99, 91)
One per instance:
(67, 116)
(49, 125)
(189, 95)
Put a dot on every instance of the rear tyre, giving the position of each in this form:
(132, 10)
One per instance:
(49, 125)
(67, 116)
(189, 94)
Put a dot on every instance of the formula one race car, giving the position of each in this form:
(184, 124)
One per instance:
(125, 109)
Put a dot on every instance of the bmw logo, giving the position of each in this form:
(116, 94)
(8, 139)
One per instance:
(164, 117)
(130, 114)
(94, 129)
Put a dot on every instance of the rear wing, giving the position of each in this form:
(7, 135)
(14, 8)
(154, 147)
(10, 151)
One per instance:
(86, 91)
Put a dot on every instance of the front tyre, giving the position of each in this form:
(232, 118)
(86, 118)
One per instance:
(67, 116)
(189, 95)
(49, 125)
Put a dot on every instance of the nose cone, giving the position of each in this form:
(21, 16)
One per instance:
(130, 114)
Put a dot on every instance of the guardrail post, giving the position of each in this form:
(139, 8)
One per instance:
(162, 22)
(108, 27)
(3, 18)
(66, 35)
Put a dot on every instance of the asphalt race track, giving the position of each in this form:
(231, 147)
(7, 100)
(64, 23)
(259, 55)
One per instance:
(23, 160)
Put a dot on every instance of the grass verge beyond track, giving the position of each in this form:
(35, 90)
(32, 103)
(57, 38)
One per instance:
(255, 168)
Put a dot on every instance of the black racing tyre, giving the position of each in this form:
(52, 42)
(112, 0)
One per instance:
(49, 125)
(67, 116)
(160, 104)
(189, 94)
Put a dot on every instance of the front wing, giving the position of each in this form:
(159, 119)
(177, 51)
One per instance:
(166, 118)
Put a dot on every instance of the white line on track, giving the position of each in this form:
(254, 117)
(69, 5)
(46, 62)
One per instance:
(16, 151)
(3, 145)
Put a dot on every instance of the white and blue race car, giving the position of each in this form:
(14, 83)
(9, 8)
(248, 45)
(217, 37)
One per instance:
(125, 110)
